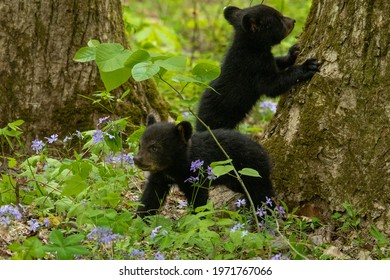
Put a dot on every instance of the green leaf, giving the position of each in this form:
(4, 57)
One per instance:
(185, 79)
(15, 125)
(56, 237)
(66, 248)
(176, 63)
(224, 222)
(73, 239)
(11, 162)
(144, 70)
(222, 170)
(136, 135)
(74, 185)
(380, 237)
(116, 78)
(222, 162)
(249, 172)
(31, 249)
(137, 57)
(85, 54)
(229, 246)
(93, 43)
(206, 72)
(111, 57)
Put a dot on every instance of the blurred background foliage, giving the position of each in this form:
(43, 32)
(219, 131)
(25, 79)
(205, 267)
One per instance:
(197, 30)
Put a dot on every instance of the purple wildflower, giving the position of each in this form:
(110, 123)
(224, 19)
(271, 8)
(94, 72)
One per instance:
(139, 254)
(155, 231)
(52, 138)
(34, 225)
(46, 222)
(129, 159)
(183, 204)
(192, 180)
(237, 227)
(110, 159)
(79, 134)
(268, 201)
(261, 212)
(240, 202)
(5, 221)
(244, 233)
(67, 139)
(268, 105)
(159, 256)
(280, 211)
(279, 257)
(102, 235)
(210, 174)
(37, 145)
(195, 165)
(109, 135)
(262, 224)
(7, 212)
(97, 136)
(101, 120)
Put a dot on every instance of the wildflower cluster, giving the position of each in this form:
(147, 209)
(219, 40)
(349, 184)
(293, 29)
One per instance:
(102, 235)
(137, 254)
(156, 230)
(98, 136)
(183, 204)
(197, 166)
(34, 225)
(279, 256)
(9, 213)
(119, 159)
(140, 255)
(268, 105)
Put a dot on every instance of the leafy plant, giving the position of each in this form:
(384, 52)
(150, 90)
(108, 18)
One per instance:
(66, 248)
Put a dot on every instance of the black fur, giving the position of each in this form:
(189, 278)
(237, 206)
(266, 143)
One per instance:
(249, 69)
(167, 150)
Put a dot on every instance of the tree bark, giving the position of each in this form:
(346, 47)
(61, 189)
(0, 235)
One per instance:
(39, 81)
(330, 137)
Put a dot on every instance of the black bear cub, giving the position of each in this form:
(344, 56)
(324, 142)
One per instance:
(249, 69)
(167, 151)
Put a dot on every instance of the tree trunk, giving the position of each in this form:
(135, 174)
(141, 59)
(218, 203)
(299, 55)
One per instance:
(330, 139)
(39, 81)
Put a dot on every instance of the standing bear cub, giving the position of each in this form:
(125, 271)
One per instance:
(167, 151)
(249, 69)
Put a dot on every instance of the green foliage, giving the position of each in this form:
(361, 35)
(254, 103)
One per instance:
(350, 219)
(11, 131)
(30, 249)
(66, 248)
(84, 204)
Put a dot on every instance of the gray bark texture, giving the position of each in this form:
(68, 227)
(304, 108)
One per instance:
(330, 138)
(39, 81)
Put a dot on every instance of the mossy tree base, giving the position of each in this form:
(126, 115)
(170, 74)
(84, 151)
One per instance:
(330, 137)
(41, 84)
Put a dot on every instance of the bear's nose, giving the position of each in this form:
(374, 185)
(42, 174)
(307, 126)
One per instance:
(137, 159)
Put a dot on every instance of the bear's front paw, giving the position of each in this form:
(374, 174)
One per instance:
(293, 52)
(310, 67)
(312, 64)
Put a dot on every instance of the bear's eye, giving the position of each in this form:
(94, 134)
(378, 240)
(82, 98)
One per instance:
(153, 148)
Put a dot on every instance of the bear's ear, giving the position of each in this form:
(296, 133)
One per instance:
(230, 14)
(249, 23)
(185, 130)
(150, 119)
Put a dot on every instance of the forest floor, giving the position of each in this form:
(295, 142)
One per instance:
(336, 244)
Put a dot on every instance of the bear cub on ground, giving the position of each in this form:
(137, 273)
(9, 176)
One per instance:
(249, 69)
(167, 151)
